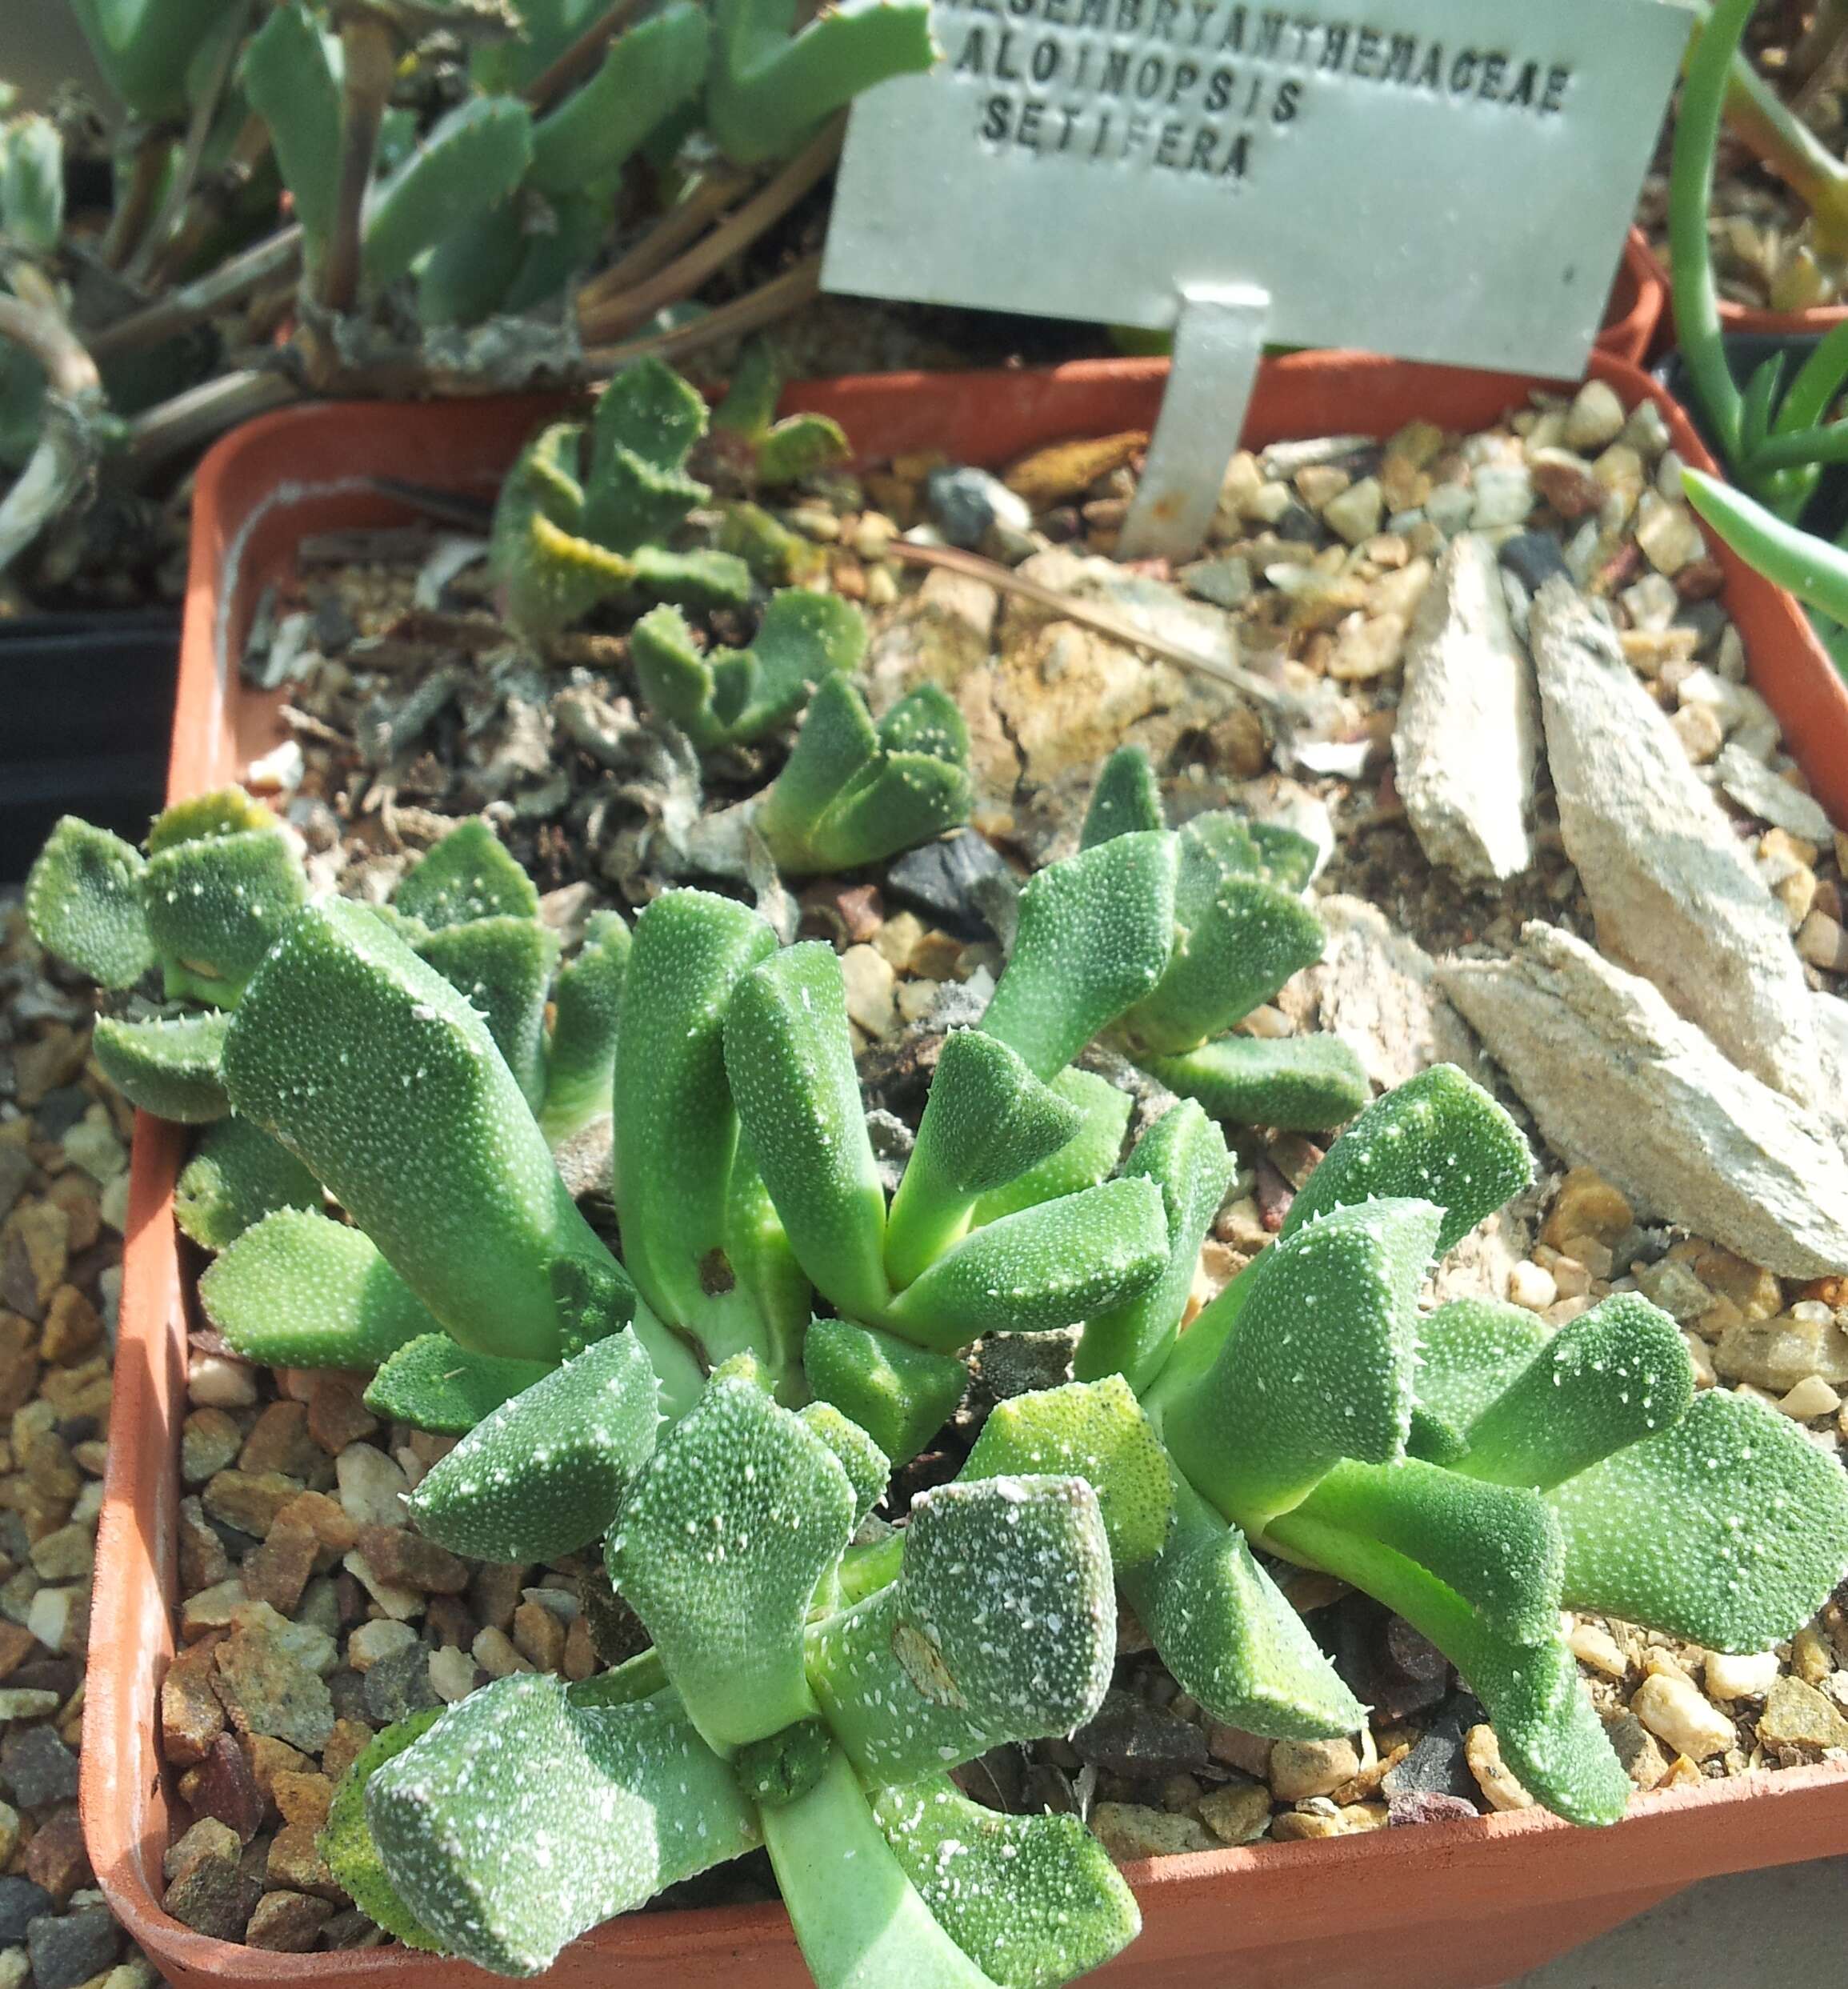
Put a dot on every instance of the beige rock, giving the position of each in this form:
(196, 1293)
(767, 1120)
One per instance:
(1674, 1712)
(870, 986)
(1596, 417)
(1239, 1813)
(1797, 1715)
(1066, 470)
(1670, 1120)
(1810, 1399)
(1729, 1677)
(1591, 1643)
(1669, 534)
(1779, 1354)
(1355, 512)
(1129, 1831)
(1300, 1768)
(1500, 1786)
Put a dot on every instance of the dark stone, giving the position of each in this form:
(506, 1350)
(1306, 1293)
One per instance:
(352, 1929)
(1129, 1737)
(223, 1786)
(37, 1768)
(398, 1685)
(965, 504)
(1427, 1805)
(940, 878)
(21, 1903)
(62, 1675)
(1434, 1767)
(60, 1110)
(1532, 558)
(68, 1948)
(1299, 526)
(347, 1689)
(1708, 619)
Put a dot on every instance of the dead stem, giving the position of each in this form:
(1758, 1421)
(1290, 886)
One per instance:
(128, 225)
(204, 411)
(211, 201)
(199, 131)
(681, 278)
(797, 286)
(575, 65)
(67, 447)
(192, 304)
(1088, 614)
(667, 236)
(370, 61)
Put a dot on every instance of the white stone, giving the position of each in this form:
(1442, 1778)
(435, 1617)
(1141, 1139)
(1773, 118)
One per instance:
(495, 1652)
(869, 983)
(50, 1615)
(215, 1383)
(1675, 895)
(1673, 1711)
(452, 1674)
(1730, 1677)
(373, 1642)
(1591, 1643)
(1531, 1285)
(1668, 533)
(1595, 419)
(1616, 1081)
(372, 1487)
(402, 1603)
(1468, 734)
(1504, 497)
(1812, 1397)
(1356, 512)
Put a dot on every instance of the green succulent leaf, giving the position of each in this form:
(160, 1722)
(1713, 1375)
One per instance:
(790, 1059)
(800, 446)
(1094, 937)
(1496, 1545)
(84, 904)
(1317, 1365)
(1095, 1431)
(1035, 1900)
(650, 71)
(987, 1121)
(384, 1082)
(1439, 1137)
(346, 1841)
(581, 1070)
(1230, 1639)
(144, 48)
(237, 1176)
(1126, 799)
(1044, 1268)
(1747, 1528)
(473, 158)
(1090, 1156)
(471, 874)
(1300, 1083)
(170, 1066)
(299, 1290)
(545, 1473)
(719, 1548)
(650, 412)
(1469, 1351)
(32, 184)
(1288, 859)
(1184, 1154)
(1611, 1377)
(550, 573)
(521, 1820)
(289, 80)
(433, 1384)
(1237, 953)
(900, 1394)
(700, 578)
(858, 1918)
(867, 1466)
(502, 967)
(215, 905)
(938, 1668)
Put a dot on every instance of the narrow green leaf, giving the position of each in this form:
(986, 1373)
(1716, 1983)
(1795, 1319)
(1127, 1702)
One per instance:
(1126, 799)
(651, 71)
(299, 1290)
(1300, 1083)
(291, 85)
(237, 1176)
(1184, 1154)
(718, 1549)
(520, 1821)
(1317, 1367)
(1094, 937)
(170, 1066)
(1439, 1137)
(384, 1082)
(1095, 1431)
(473, 158)
(545, 1473)
(900, 1394)
(1728, 1527)
(470, 875)
(1613, 1376)
(502, 967)
(789, 1060)
(1090, 1156)
(1033, 1900)
(433, 1384)
(581, 1068)
(1229, 1638)
(1044, 1268)
(1790, 557)
(988, 1120)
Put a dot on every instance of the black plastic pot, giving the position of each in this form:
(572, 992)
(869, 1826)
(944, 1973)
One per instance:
(86, 714)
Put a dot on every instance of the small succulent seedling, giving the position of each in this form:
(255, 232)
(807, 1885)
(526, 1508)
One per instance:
(1240, 932)
(586, 512)
(751, 446)
(765, 1714)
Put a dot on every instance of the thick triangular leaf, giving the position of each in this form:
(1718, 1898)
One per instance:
(470, 875)
(502, 967)
(900, 1394)
(1125, 800)
(1300, 1083)
(1090, 1156)
(1469, 1350)
(433, 1384)
(84, 900)
(346, 1841)
(581, 1067)
(867, 1466)
(216, 905)
(236, 1175)
(170, 1066)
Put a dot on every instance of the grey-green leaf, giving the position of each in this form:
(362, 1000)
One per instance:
(239, 1174)
(83, 899)
(433, 1384)
(170, 1066)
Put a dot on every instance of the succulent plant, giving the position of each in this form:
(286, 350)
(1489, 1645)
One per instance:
(1240, 931)
(765, 1712)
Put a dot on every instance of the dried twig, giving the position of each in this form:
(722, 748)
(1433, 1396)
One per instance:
(232, 280)
(668, 235)
(770, 302)
(208, 410)
(67, 449)
(129, 223)
(370, 60)
(575, 65)
(1088, 614)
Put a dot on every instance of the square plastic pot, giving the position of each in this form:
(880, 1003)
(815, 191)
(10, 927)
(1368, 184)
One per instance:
(1454, 1905)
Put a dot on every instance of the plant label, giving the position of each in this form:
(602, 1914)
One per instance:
(1443, 180)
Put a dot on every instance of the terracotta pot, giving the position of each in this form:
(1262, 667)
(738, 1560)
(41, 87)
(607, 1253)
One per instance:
(1446, 1906)
(1639, 299)
(1777, 324)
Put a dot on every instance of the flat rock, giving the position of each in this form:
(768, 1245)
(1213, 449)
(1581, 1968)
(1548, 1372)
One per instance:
(1469, 723)
(68, 1948)
(1769, 796)
(38, 1769)
(1619, 1082)
(21, 1903)
(1130, 1737)
(1675, 894)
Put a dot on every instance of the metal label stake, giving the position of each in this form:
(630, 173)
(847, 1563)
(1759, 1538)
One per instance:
(1219, 340)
